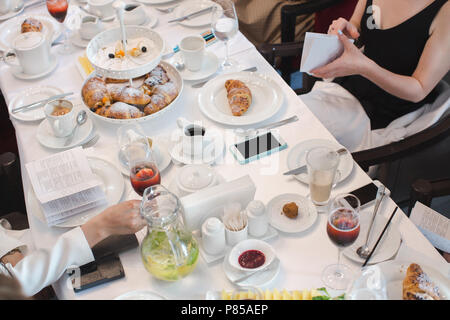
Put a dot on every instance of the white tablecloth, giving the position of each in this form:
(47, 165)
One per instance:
(303, 256)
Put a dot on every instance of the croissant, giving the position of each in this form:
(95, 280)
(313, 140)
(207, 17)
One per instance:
(157, 76)
(31, 25)
(95, 93)
(418, 286)
(239, 97)
(120, 110)
(130, 95)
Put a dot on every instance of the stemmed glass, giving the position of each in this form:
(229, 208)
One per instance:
(343, 229)
(143, 172)
(58, 10)
(224, 24)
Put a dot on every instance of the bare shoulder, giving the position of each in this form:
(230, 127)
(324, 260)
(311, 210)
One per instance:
(441, 22)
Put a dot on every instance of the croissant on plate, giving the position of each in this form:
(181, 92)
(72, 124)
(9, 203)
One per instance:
(120, 110)
(130, 95)
(239, 97)
(418, 286)
(95, 93)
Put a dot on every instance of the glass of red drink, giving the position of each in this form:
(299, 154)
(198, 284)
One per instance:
(144, 174)
(343, 230)
(58, 10)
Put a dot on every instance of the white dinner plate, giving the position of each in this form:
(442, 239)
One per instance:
(267, 99)
(11, 29)
(191, 6)
(210, 66)
(307, 213)
(18, 73)
(14, 3)
(29, 96)
(140, 295)
(162, 156)
(395, 271)
(388, 245)
(47, 138)
(112, 184)
(297, 158)
(260, 279)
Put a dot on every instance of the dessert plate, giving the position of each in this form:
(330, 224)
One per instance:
(267, 99)
(18, 73)
(29, 96)
(14, 3)
(11, 29)
(297, 157)
(112, 184)
(388, 245)
(47, 138)
(307, 213)
(210, 66)
(260, 279)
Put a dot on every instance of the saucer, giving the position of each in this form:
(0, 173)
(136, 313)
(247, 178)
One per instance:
(11, 13)
(17, 71)
(78, 41)
(150, 21)
(209, 155)
(32, 95)
(47, 138)
(260, 279)
(210, 66)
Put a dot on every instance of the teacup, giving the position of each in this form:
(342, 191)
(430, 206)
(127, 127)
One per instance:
(62, 123)
(5, 6)
(194, 138)
(134, 14)
(192, 50)
(102, 8)
(90, 27)
(32, 50)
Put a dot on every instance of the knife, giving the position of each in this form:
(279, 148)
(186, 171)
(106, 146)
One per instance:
(200, 84)
(191, 15)
(303, 168)
(38, 104)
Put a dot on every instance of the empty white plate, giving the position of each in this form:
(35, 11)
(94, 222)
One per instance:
(29, 96)
(307, 213)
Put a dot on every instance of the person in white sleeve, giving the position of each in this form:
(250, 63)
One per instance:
(43, 267)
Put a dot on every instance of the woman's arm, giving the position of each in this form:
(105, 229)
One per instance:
(352, 27)
(434, 63)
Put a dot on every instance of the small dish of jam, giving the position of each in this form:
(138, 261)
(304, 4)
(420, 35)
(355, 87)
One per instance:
(251, 255)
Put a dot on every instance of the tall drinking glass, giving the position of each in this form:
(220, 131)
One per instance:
(322, 163)
(224, 24)
(58, 10)
(343, 229)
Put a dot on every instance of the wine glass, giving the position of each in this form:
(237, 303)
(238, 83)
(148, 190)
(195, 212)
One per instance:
(58, 10)
(144, 172)
(224, 24)
(343, 229)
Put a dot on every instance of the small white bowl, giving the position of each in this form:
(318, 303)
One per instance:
(251, 244)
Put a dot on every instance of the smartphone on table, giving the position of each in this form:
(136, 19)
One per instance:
(257, 147)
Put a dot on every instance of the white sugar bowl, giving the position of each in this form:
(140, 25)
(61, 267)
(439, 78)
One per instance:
(213, 236)
(258, 222)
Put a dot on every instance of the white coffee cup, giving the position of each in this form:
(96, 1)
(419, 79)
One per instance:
(5, 6)
(258, 222)
(213, 236)
(192, 50)
(62, 125)
(90, 27)
(32, 50)
(102, 8)
(134, 14)
(194, 138)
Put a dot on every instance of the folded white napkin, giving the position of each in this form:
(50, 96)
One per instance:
(210, 202)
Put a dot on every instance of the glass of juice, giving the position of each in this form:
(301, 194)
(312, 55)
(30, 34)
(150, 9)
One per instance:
(144, 172)
(343, 230)
(58, 10)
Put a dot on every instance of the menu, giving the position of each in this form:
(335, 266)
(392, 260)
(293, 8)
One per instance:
(434, 226)
(65, 185)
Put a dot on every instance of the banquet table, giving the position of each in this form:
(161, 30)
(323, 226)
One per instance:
(303, 255)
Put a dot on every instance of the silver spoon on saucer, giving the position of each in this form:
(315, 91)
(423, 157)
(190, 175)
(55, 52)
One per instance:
(81, 119)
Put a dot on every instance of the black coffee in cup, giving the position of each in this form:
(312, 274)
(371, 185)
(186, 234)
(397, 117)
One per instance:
(195, 131)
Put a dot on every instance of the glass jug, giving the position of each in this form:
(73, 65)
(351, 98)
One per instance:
(169, 251)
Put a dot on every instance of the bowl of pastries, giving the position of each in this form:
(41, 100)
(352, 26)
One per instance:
(138, 56)
(148, 97)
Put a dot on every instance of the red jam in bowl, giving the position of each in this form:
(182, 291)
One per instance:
(251, 259)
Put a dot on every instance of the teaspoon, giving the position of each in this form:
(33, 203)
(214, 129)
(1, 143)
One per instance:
(81, 119)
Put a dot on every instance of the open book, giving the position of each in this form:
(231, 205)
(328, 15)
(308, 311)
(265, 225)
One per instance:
(65, 185)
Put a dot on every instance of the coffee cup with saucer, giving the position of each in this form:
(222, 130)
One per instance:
(134, 14)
